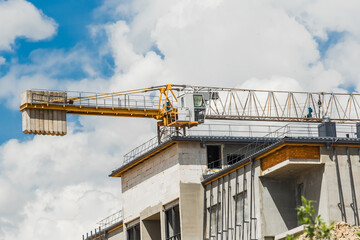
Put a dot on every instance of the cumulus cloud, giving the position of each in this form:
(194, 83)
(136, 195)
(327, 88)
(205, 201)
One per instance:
(344, 57)
(62, 213)
(53, 70)
(2, 60)
(54, 183)
(23, 19)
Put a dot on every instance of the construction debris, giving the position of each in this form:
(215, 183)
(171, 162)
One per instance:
(341, 231)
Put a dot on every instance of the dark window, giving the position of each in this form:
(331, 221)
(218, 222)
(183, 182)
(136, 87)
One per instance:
(234, 158)
(133, 232)
(241, 207)
(215, 219)
(214, 156)
(172, 224)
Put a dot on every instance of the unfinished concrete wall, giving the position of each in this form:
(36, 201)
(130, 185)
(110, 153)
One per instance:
(43, 121)
(154, 181)
(231, 209)
(191, 210)
(192, 160)
(319, 182)
(278, 203)
(312, 186)
(118, 234)
(151, 230)
(334, 188)
(151, 223)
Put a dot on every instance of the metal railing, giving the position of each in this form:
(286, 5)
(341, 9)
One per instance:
(93, 99)
(100, 232)
(140, 150)
(244, 130)
(289, 130)
(110, 220)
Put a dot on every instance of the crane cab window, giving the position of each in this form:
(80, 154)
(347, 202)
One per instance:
(198, 101)
(214, 156)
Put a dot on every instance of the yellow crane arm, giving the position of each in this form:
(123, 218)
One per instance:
(96, 111)
(44, 112)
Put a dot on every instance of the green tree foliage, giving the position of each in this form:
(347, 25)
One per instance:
(315, 227)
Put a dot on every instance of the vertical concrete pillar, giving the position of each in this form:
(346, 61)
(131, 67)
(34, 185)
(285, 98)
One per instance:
(191, 211)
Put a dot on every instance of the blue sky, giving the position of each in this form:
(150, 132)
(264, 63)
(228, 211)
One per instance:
(72, 18)
(56, 182)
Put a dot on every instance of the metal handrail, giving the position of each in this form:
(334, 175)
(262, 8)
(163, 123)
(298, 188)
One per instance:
(244, 130)
(110, 220)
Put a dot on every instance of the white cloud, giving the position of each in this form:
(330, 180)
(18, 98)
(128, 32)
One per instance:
(23, 19)
(51, 69)
(54, 183)
(64, 213)
(324, 15)
(58, 181)
(344, 57)
(2, 60)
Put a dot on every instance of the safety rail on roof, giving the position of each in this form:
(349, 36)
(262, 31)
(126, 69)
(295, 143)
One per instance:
(110, 220)
(243, 130)
(289, 130)
(100, 232)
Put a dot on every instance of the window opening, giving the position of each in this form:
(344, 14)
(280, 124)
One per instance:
(241, 207)
(172, 223)
(234, 158)
(215, 215)
(214, 156)
(133, 232)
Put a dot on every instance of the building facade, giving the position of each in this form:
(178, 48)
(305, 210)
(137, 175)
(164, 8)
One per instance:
(203, 187)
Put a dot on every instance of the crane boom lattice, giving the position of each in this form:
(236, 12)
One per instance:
(184, 106)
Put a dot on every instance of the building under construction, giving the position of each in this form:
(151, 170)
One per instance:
(221, 181)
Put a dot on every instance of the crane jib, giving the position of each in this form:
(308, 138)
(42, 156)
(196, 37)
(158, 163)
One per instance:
(183, 106)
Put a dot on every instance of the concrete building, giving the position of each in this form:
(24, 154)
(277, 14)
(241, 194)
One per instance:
(226, 187)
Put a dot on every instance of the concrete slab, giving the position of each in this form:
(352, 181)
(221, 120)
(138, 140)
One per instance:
(291, 168)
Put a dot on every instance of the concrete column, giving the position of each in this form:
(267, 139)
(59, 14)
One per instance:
(191, 211)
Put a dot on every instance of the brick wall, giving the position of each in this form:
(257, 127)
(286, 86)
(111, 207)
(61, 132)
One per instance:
(290, 152)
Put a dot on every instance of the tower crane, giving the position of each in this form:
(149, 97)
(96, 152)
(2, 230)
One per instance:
(183, 106)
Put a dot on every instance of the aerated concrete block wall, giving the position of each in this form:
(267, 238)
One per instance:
(173, 175)
(152, 182)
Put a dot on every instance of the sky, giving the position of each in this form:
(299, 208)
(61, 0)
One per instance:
(58, 187)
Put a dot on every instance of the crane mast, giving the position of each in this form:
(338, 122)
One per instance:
(185, 106)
